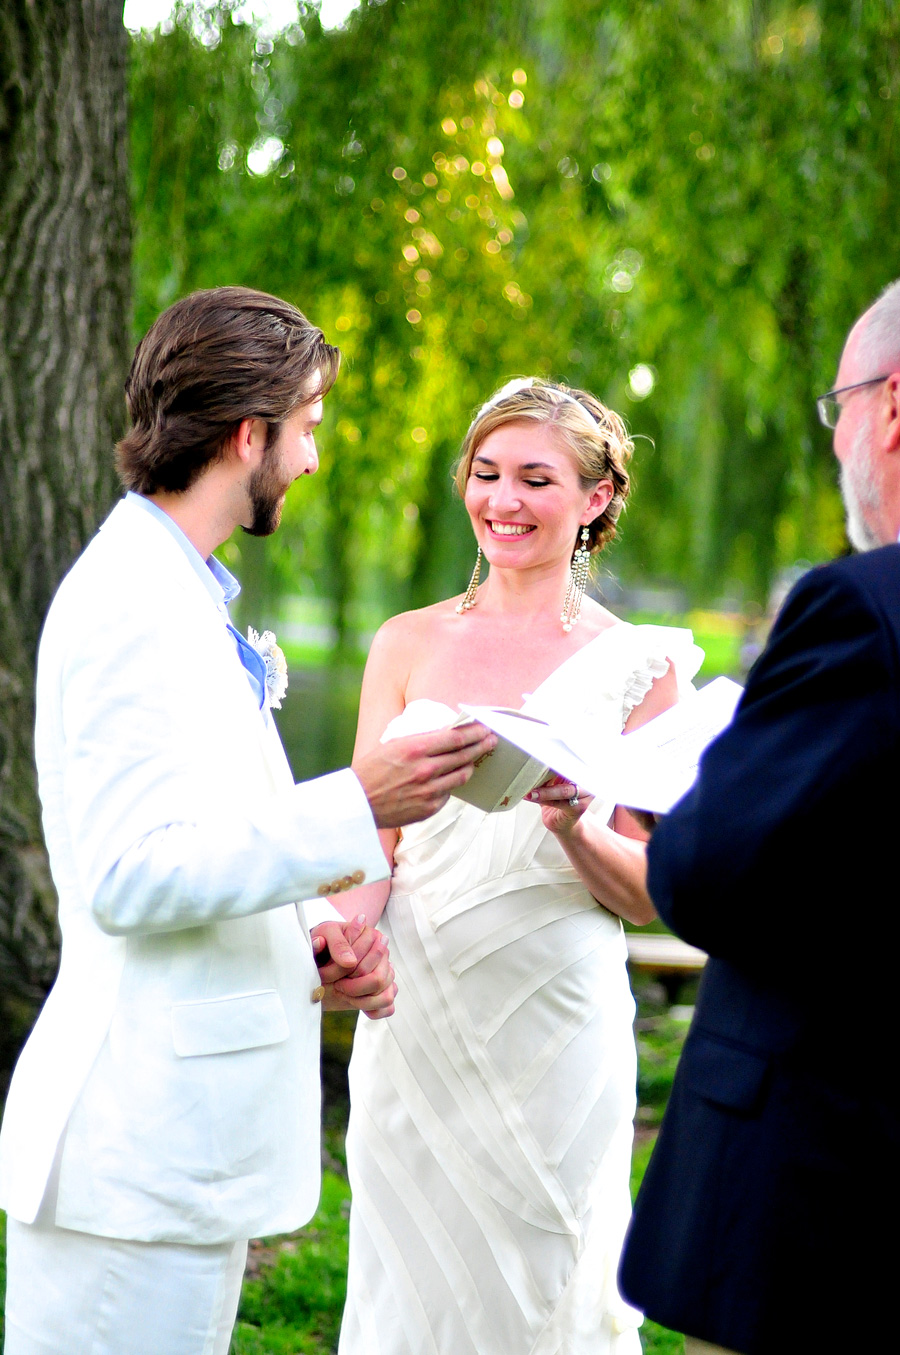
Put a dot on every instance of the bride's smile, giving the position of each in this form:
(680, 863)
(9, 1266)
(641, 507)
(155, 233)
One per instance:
(526, 498)
(510, 528)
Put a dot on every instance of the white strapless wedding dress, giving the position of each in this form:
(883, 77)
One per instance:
(491, 1117)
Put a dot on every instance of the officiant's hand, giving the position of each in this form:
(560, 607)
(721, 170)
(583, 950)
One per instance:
(412, 778)
(355, 968)
(562, 804)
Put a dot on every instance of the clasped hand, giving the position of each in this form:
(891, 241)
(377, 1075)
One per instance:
(355, 967)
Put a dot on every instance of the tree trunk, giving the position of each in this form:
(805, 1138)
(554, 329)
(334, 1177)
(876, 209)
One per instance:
(64, 304)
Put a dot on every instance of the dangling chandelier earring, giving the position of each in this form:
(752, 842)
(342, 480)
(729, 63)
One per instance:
(578, 577)
(470, 597)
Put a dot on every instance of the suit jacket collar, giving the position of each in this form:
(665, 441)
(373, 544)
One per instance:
(140, 532)
(221, 585)
(152, 540)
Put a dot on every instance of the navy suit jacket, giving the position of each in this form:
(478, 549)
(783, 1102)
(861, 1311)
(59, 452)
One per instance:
(760, 1224)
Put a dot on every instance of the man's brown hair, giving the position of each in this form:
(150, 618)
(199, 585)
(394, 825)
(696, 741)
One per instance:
(207, 363)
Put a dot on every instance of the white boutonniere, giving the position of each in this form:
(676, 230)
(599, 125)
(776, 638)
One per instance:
(272, 656)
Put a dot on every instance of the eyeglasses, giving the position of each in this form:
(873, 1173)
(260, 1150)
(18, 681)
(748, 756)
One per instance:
(829, 406)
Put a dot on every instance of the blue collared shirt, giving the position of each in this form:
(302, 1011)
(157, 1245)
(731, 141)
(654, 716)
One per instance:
(222, 588)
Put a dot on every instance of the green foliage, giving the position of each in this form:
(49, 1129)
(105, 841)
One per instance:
(659, 1041)
(463, 190)
(720, 636)
(369, 222)
(748, 150)
(318, 723)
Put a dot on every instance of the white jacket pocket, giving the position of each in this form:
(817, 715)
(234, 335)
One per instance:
(223, 1025)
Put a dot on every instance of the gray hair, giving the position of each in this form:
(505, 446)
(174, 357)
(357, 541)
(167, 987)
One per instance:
(879, 343)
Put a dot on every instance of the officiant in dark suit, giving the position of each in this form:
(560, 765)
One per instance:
(762, 1222)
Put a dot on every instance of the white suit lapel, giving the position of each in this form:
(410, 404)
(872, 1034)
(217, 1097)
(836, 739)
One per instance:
(239, 717)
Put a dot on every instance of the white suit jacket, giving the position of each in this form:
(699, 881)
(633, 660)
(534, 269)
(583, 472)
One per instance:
(173, 1073)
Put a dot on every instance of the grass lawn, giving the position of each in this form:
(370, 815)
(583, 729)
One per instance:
(655, 1340)
(294, 1290)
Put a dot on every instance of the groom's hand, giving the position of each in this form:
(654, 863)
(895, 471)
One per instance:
(334, 954)
(355, 968)
(412, 778)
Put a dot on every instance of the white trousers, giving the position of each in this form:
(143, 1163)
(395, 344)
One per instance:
(71, 1293)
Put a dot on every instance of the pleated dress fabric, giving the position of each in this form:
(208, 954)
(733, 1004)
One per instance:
(491, 1117)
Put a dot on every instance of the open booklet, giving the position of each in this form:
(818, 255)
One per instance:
(650, 769)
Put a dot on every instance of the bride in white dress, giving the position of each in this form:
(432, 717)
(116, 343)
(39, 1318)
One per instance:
(491, 1117)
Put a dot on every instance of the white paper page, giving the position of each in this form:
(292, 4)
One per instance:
(650, 769)
(653, 767)
(539, 741)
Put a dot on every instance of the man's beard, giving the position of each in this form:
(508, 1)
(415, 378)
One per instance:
(267, 488)
(860, 490)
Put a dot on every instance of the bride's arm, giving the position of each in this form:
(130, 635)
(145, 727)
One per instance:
(383, 697)
(613, 866)
(612, 861)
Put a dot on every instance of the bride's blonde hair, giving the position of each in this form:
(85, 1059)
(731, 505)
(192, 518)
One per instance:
(596, 437)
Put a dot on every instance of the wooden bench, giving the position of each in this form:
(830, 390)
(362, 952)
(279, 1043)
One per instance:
(667, 958)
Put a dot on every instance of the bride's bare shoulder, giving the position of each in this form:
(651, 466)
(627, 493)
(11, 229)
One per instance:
(407, 631)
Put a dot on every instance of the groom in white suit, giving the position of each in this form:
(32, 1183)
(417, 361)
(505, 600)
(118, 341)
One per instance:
(166, 1106)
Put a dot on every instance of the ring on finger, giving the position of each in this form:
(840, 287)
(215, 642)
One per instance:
(574, 801)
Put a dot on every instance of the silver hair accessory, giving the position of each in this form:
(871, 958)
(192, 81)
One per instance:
(521, 383)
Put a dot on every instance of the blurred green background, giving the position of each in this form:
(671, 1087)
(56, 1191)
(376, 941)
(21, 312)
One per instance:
(681, 206)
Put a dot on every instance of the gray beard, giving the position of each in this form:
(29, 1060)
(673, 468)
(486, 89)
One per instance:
(860, 491)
